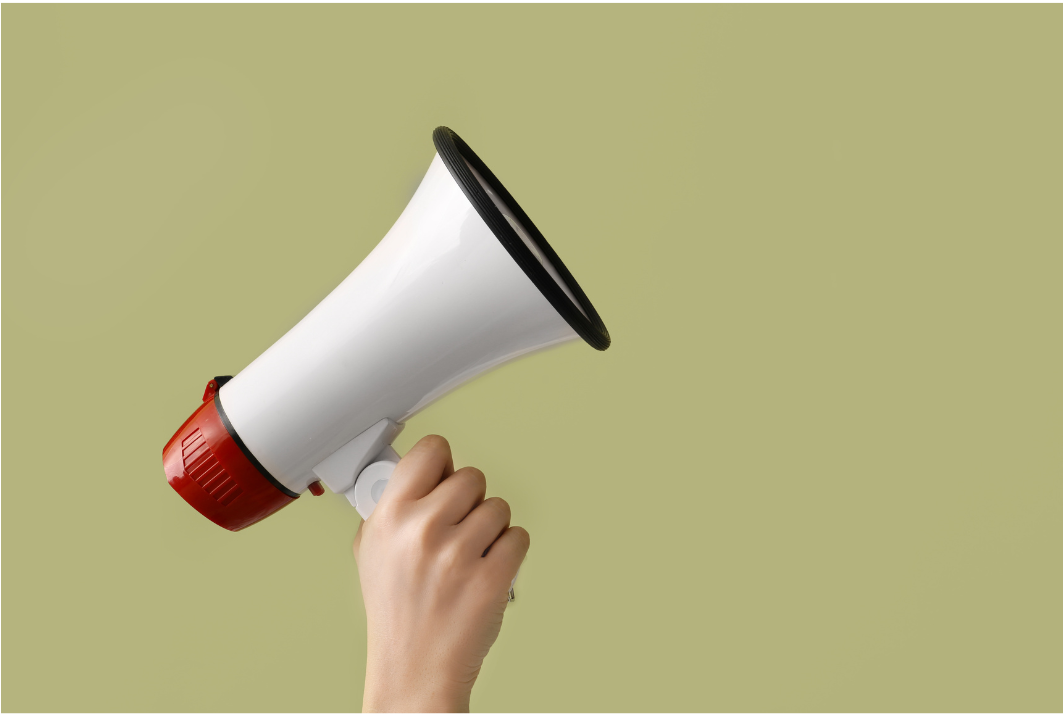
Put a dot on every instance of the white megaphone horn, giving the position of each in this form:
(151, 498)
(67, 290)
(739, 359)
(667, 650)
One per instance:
(463, 282)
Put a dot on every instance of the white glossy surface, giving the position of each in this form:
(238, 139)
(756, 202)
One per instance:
(436, 303)
(370, 487)
(340, 469)
(518, 227)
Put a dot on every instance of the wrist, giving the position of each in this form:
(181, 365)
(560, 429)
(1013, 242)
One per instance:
(388, 699)
(397, 685)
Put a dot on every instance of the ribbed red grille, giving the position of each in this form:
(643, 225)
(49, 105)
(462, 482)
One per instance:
(204, 469)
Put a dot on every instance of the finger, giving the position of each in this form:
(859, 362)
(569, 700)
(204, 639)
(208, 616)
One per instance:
(457, 495)
(507, 553)
(427, 462)
(485, 523)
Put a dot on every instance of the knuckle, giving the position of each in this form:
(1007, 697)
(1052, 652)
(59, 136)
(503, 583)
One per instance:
(522, 536)
(384, 516)
(435, 517)
(449, 557)
(435, 443)
(422, 540)
(500, 506)
(473, 478)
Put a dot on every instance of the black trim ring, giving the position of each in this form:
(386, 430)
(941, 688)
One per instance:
(247, 453)
(587, 323)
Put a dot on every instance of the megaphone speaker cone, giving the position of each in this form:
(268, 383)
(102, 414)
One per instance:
(520, 237)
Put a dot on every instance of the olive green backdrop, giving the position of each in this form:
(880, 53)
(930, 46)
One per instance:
(820, 468)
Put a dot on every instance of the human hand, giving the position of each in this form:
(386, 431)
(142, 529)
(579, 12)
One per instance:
(435, 560)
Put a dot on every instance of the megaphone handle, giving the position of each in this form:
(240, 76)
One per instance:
(370, 485)
(388, 454)
(372, 480)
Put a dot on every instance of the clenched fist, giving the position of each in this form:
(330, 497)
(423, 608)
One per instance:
(436, 561)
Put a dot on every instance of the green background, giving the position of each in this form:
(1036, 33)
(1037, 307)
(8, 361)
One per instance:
(820, 468)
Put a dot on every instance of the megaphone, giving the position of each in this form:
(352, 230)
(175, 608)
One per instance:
(462, 283)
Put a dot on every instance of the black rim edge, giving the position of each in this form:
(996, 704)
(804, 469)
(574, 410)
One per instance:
(247, 453)
(452, 149)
